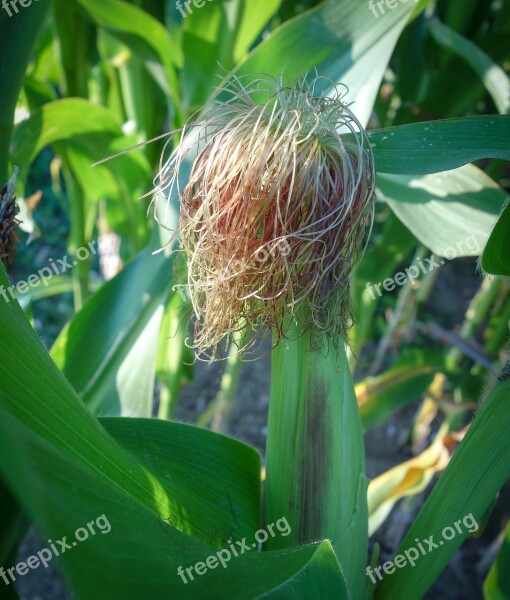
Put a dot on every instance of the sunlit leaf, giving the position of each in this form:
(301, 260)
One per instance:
(451, 213)
(434, 146)
(494, 78)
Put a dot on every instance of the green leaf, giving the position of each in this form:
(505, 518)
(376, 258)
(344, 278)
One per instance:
(460, 14)
(496, 256)
(138, 509)
(451, 213)
(405, 382)
(175, 359)
(434, 146)
(108, 351)
(18, 35)
(343, 41)
(119, 183)
(497, 584)
(58, 121)
(476, 473)
(44, 67)
(13, 525)
(38, 92)
(59, 284)
(253, 16)
(77, 47)
(224, 486)
(215, 38)
(321, 577)
(67, 471)
(494, 78)
(421, 5)
(144, 35)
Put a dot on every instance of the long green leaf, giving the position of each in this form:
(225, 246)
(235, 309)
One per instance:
(175, 359)
(405, 382)
(434, 146)
(108, 351)
(68, 471)
(343, 41)
(225, 482)
(254, 16)
(58, 121)
(451, 213)
(18, 35)
(119, 184)
(13, 524)
(215, 39)
(60, 284)
(494, 78)
(144, 34)
(76, 40)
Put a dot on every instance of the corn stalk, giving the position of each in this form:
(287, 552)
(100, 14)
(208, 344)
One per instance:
(315, 455)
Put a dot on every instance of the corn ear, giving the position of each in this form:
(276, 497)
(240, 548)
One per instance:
(315, 468)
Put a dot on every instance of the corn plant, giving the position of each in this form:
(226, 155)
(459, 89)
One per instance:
(316, 164)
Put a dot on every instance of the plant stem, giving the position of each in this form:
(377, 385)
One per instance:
(76, 38)
(315, 466)
(478, 311)
(171, 356)
(500, 334)
(77, 43)
(219, 409)
(77, 237)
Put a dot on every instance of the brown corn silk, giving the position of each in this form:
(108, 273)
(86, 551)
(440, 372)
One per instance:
(275, 211)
